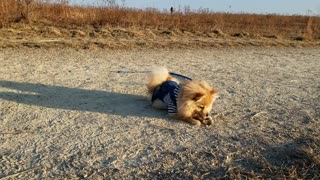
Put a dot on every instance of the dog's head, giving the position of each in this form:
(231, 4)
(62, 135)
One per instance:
(198, 98)
(203, 101)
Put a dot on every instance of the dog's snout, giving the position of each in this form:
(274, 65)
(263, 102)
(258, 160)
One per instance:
(207, 114)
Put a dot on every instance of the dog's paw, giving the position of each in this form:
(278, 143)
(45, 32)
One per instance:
(207, 122)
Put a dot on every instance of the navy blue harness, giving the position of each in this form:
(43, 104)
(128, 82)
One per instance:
(166, 88)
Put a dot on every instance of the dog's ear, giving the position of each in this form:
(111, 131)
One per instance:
(197, 96)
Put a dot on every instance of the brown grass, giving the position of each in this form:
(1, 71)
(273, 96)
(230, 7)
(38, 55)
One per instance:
(62, 15)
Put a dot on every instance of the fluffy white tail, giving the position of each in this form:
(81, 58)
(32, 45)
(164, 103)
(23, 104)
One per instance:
(157, 77)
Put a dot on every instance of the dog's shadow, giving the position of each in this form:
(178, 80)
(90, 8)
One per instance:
(65, 98)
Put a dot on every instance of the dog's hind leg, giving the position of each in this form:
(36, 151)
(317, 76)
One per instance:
(158, 104)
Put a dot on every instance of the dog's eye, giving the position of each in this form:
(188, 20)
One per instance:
(201, 106)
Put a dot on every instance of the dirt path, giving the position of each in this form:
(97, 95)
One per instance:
(69, 114)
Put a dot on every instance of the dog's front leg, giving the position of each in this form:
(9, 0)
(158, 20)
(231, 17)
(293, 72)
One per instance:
(193, 121)
(207, 121)
(190, 120)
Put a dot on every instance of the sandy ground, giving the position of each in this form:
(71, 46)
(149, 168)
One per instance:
(68, 114)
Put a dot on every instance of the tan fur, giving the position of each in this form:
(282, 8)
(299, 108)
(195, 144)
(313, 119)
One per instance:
(195, 102)
(195, 97)
(157, 77)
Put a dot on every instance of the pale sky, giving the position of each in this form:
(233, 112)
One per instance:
(246, 6)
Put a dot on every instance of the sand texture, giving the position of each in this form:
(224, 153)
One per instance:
(68, 113)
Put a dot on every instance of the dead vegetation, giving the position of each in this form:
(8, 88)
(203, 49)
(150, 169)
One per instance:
(60, 14)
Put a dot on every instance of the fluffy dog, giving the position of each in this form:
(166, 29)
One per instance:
(190, 101)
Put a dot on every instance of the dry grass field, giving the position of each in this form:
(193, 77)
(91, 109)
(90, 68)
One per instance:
(41, 24)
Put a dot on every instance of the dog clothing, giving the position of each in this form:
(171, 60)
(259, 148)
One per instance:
(168, 93)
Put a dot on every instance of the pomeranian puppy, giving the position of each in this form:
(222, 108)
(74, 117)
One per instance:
(190, 101)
